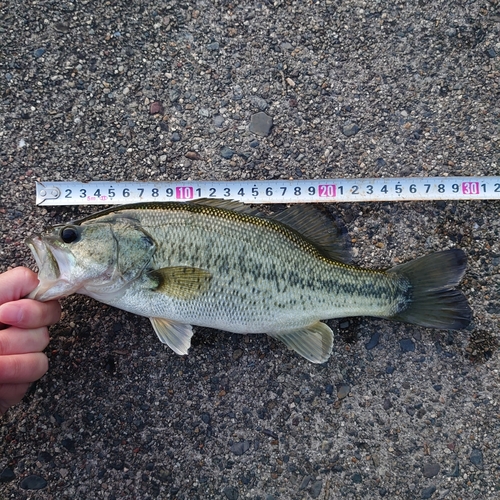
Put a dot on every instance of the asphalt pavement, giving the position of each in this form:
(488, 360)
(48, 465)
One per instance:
(167, 90)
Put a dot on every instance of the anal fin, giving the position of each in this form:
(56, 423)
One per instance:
(313, 342)
(176, 335)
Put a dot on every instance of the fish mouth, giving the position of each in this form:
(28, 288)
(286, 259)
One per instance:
(53, 270)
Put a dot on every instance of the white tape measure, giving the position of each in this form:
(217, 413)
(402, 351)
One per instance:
(274, 191)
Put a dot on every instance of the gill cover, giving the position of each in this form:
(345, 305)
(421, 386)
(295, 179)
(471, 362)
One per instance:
(133, 249)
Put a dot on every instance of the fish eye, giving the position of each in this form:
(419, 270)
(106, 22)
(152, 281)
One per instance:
(70, 234)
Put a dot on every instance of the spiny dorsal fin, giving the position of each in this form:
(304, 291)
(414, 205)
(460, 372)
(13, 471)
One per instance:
(313, 342)
(235, 206)
(176, 335)
(319, 230)
(180, 282)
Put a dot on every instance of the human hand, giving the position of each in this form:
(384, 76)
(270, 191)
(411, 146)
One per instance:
(23, 335)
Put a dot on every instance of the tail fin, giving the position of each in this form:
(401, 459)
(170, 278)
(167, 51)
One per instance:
(433, 301)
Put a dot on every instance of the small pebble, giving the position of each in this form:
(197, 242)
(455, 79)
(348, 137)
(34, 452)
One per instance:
(69, 444)
(174, 94)
(491, 53)
(261, 124)
(356, 478)
(218, 121)
(456, 470)
(343, 390)
(213, 46)
(350, 128)
(476, 457)
(270, 433)
(33, 482)
(39, 52)
(61, 27)
(237, 93)
(176, 137)
(428, 492)
(316, 488)
(226, 153)
(240, 448)
(7, 475)
(45, 457)
(231, 493)
(304, 483)
(192, 155)
(156, 108)
(431, 470)
(373, 341)
(259, 102)
(407, 345)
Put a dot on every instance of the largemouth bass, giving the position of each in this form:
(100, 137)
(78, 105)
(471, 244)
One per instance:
(224, 265)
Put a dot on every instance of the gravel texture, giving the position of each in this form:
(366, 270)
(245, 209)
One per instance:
(171, 90)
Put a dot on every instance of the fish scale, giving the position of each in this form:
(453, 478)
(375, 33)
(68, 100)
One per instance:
(247, 251)
(223, 265)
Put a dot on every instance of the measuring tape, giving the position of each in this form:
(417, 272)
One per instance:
(274, 191)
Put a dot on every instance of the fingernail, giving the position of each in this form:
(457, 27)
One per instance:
(10, 314)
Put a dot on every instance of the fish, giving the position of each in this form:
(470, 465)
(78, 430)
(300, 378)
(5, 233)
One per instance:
(225, 265)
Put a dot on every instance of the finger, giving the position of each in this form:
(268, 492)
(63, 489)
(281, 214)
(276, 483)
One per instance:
(17, 283)
(19, 368)
(11, 394)
(15, 340)
(28, 313)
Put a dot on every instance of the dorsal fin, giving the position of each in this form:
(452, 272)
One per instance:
(304, 219)
(319, 230)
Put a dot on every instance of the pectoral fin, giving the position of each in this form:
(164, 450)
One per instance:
(313, 342)
(176, 335)
(181, 282)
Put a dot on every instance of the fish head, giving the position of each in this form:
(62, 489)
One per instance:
(92, 258)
